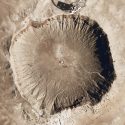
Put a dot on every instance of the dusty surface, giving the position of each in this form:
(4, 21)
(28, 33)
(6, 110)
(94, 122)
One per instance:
(111, 110)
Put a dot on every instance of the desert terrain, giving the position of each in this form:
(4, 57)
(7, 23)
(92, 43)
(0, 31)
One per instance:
(14, 110)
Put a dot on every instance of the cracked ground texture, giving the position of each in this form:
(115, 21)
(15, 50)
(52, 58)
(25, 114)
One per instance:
(110, 111)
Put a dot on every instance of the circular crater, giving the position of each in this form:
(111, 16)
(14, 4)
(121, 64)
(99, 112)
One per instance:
(62, 62)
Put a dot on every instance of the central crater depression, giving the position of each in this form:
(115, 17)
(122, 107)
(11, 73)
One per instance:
(62, 62)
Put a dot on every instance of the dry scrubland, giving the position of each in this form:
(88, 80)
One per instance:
(110, 111)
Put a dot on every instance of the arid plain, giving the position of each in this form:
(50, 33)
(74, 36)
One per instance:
(14, 15)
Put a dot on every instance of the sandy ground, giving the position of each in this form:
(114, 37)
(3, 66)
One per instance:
(110, 111)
